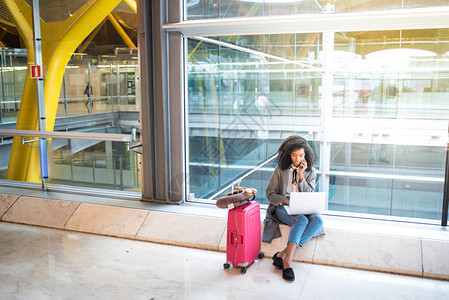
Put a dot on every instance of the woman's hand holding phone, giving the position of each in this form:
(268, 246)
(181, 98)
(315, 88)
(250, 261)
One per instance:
(302, 165)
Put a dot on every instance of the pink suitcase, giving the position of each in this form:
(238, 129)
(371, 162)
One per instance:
(243, 236)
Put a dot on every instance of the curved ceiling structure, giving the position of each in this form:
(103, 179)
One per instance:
(105, 39)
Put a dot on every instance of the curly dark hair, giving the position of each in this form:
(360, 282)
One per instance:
(290, 144)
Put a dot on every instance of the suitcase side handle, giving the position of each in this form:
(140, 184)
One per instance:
(234, 239)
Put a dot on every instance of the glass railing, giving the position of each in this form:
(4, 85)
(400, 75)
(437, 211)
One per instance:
(374, 188)
(96, 164)
(103, 164)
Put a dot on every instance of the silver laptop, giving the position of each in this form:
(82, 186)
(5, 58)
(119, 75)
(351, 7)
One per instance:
(306, 203)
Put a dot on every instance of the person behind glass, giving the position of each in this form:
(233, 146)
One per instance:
(88, 92)
(293, 173)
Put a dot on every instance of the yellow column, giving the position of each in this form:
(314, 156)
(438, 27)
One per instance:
(59, 40)
(63, 45)
(20, 12)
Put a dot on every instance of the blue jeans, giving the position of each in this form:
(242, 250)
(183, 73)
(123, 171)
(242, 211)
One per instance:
(303, 227)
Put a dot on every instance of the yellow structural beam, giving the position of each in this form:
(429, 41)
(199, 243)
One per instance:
(59, 41)
(121, 21)
(91, 37)
(2, 35)
(132, 4)
(305, 47)
(121, 32)
(20, 12)
(3, 21)
(194, 50)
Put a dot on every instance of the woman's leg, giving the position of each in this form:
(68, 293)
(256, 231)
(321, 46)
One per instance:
(298, 224)
(314, 224)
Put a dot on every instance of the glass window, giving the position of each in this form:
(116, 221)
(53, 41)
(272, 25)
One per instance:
(405, 160)
(99, 84)
(403, 198)
(390, 116)
(245, 95)
(89, 81)
(384, 125)
(13, 70)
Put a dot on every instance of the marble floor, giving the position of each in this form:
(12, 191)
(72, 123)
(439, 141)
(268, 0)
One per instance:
(43, 263)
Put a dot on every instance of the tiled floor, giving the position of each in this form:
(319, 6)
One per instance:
(43, 263)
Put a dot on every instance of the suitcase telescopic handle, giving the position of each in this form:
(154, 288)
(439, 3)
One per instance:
(237, 182)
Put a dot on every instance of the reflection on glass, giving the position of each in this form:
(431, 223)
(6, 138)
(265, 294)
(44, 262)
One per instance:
(387, 197)
(254, 178)
(409, 160)
(205, 9)
(13, 68)
(245, 96)
(395, 82)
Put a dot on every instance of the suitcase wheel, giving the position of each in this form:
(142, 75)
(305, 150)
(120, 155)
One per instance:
(243, 270)
(226, 265)
(261, 255)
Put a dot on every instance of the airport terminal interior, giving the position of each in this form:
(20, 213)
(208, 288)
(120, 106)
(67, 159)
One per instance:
(122, 122)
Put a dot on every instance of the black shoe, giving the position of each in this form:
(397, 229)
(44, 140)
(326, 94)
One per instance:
(288, 274)
(277, 261)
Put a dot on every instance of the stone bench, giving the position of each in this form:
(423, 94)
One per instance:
(392, 253)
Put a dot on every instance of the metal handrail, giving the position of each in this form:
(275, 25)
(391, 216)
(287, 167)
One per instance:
(243, 177)
(250, 172)
(385, 176)
(115, 137)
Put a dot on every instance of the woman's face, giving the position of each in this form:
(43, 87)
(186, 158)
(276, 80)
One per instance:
(297, 156)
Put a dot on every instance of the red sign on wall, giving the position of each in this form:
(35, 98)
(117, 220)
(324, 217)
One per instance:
(36, 71)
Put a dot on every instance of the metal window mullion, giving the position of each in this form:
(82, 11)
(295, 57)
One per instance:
(160, 129)
(117, 72)
(2, 99)
(40, 92)
(326, 112)
(173, 51)
(186, 152)
(175, 147)
(444, 212)
(13, 88)
(111, 90)
(64, 89)
(146, 103)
